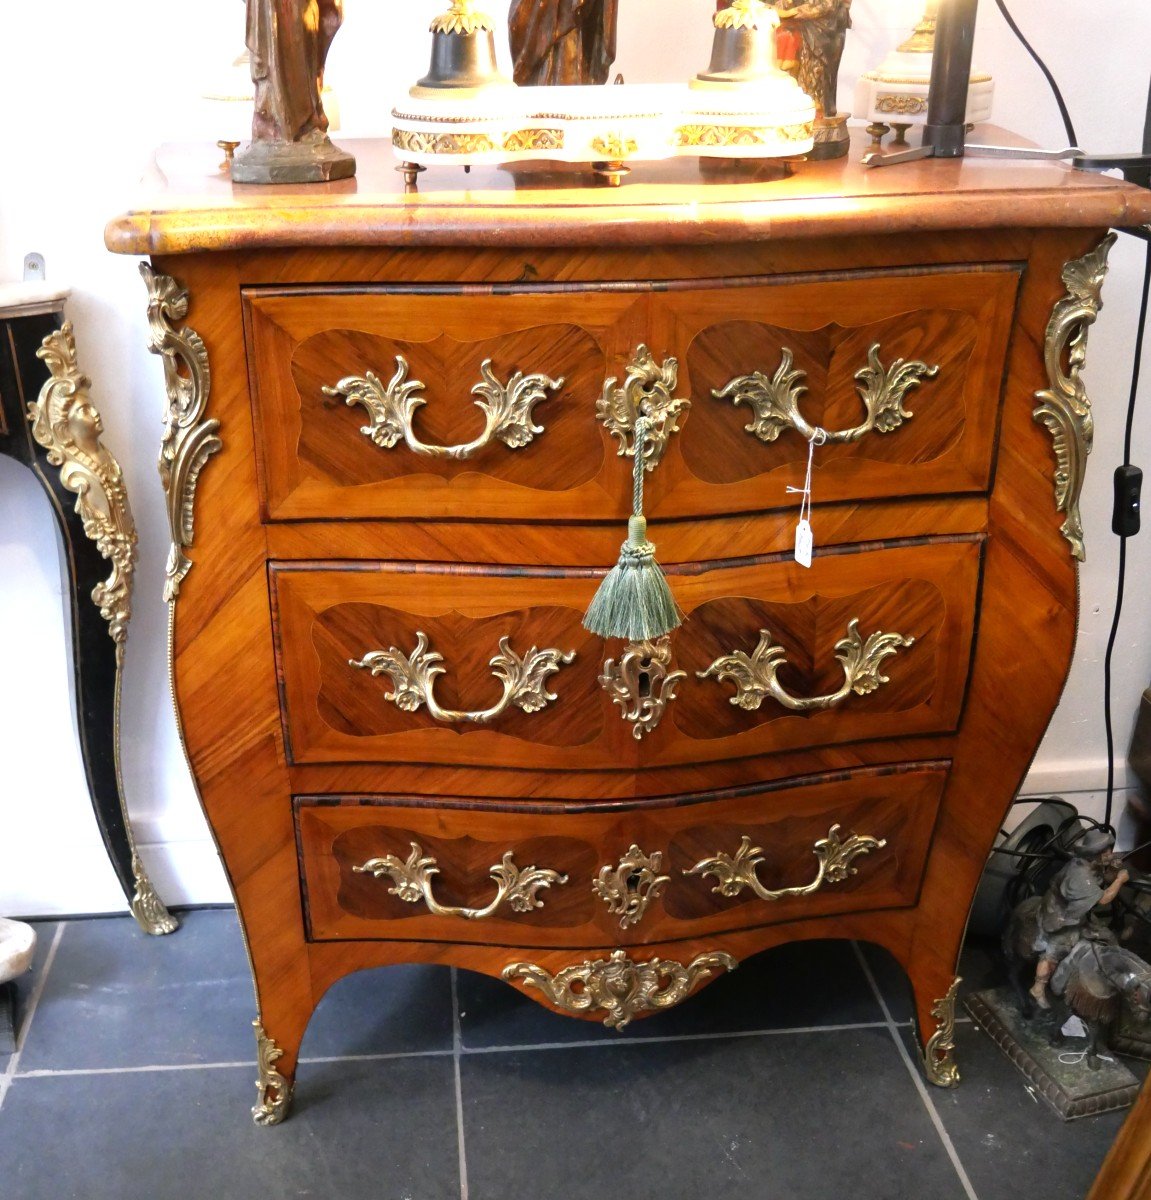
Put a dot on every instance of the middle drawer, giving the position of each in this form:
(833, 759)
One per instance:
(487, 666)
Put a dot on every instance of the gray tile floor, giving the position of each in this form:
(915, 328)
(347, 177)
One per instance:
(791, 1079)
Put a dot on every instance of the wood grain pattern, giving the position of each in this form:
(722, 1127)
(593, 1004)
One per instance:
(1126, 1173)
(336, 835)
(1014, 668)
(190, 206)
(317, 464)
(331, 614)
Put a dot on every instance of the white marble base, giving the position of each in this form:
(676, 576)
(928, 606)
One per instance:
(771, 118)
(896, 93)
(17, 945)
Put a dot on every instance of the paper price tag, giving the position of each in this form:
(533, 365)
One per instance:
(804, 543)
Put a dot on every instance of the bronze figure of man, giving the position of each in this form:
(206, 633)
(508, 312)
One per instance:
(823, 26)
(288, 41)
(563, 41)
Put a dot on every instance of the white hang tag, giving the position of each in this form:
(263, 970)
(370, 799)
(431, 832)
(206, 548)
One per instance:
(804, 544)
(804, 538)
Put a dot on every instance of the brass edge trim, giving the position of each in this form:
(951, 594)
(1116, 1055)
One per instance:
(712, 134)
(67, 424)
(922, 39)
(463, 17)
(619, 986)
(631, 886)
(274, 1091)
(1065, 407)
(901, 106)
(641, 684)
(518, 141)
(746, 14)
(189, 440)
(508, 409)
(939, 1054)
(834, 855)
(756, 675)
(648, 390)
(413, 679)
(775, 401)
(412, 883)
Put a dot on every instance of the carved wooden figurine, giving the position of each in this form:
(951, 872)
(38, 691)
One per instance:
(563, 41)
(288, 41)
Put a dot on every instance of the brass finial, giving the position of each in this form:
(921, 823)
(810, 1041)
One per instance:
(746, 14)
(463, 17)
(922, 41)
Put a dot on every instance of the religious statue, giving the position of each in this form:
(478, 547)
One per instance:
(288, 41)
(823, 26)
(562, 41)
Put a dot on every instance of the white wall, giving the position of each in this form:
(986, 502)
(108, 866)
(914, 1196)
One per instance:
(98, 86)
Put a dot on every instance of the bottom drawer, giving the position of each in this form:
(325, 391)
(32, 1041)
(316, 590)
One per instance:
(577, 874)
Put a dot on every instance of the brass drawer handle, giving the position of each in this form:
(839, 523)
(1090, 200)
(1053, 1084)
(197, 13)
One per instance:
(835, 858)
(775, 401)
(412, 882)
(507, 408)
(755, 677)
(414, 679)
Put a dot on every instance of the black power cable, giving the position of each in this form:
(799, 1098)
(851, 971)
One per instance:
(1147, 127)
(1072, 140)
(1121, 578)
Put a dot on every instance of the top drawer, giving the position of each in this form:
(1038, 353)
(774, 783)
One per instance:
(837, 353)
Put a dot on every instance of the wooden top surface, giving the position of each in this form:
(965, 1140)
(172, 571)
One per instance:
(190, 206)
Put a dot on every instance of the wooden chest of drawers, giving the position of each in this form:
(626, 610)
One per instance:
(399, 430)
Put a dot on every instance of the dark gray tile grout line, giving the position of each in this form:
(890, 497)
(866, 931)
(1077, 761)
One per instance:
(457, 1049)
(10, 1071)
(917, 1079)
(716, 1036)
(525, 1048)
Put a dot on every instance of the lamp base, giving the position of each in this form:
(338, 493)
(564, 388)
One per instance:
(315, 159)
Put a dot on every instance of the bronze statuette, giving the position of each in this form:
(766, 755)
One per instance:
(288, 41)
(562, 41)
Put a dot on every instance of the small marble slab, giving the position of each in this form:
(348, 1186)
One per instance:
(1072, 1089)
(31, 299)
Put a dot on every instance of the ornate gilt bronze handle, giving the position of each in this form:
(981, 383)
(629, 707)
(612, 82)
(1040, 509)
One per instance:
(414, 678)
(835, 858)
(629, 887)
(412, 880)
(619, 986)
(642, 684)
(648, 390)
(775, 401)
(755, 676)
(507, 408)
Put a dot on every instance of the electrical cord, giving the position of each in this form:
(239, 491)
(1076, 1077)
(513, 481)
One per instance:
(1147, 127)
(1068, 125)
(1121, 579)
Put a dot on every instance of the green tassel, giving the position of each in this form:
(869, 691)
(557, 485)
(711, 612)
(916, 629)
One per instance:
(634, 601)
